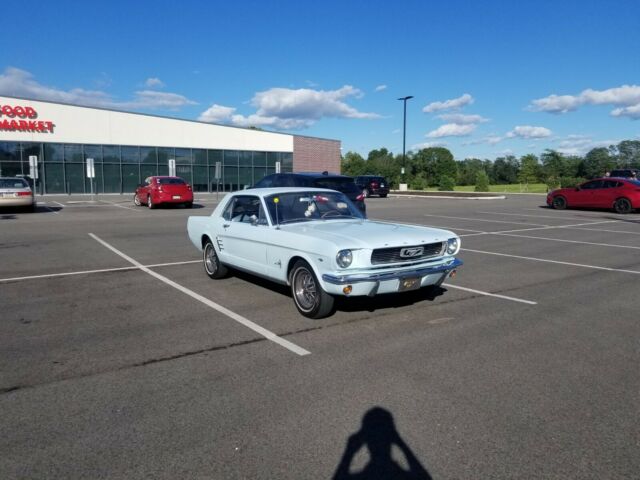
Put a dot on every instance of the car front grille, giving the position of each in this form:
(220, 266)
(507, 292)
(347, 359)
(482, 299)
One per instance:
(407, 253)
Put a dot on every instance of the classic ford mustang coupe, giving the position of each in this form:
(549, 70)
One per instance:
(319, 243)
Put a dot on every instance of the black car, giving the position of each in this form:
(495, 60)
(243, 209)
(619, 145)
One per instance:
(625, 173)
(373, 185)
(341, 183)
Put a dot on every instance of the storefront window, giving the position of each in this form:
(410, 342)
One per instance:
(214, 156)
(183, 156)
(148, 155)
(53, 152)
(9, 151)
(130, 154)
(130, 177)
(93, 151)
(54, 173)
(199, 156)
(111, 175)
(230, 157)
(111, 154)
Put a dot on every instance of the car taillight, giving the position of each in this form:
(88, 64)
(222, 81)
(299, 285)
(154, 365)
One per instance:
(160, 189)
(188, 187)
(24, 194)
(360, 197)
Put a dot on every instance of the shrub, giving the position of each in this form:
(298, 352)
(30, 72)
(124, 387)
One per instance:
(552, 183)
(446, 183)
(570, 182)
(482, 181)
(417, 183)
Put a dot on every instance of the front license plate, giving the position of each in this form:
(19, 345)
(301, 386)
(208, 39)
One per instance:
(411, 283)
(176, 197)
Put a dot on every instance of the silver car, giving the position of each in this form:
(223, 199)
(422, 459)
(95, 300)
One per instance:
(16, 192)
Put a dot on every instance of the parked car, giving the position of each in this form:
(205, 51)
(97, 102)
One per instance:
(373, 185)
(625, 173)
(16, 192)
(622, 195)
(341, 183)
(158, 190)
(317, 242)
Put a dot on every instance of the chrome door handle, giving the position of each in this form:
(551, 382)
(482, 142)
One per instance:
(226, 225)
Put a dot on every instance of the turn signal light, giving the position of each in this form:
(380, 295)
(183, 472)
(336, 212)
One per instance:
(347, 290)
(360, 197)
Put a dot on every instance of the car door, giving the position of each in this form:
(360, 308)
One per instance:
(145, 189)
(241, 238)
(609, 193)
(586, 195)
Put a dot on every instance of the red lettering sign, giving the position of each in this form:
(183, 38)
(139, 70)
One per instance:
(21, 113)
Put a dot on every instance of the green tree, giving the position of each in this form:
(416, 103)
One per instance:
(353, 164)
(433, 163)
(553, 163)
(446, 183)
(505, 170)
(529, 169)
(482, 181)
(629, 153)
(596, 162)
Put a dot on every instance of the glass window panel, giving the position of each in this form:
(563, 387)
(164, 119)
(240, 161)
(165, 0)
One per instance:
(272, 158)
(93, 151)
(183, 156)
(246, 159)
(111, 178)
(199, 156)
(9, 151)
(98, 183)
(214, 156)
(163, 168)
(147, 170)
(10, 169)
(130, 154)
(53, 152)
(259, 159)
(73, 154)
(74, 177)
(230, 157)
(148, 155)
(213, 181)
(184, 171)
(287, 160)
(245, 177)
(259, 173)
(54, 172)
(130, 177)
(164, 154)
(200, 180)
(111, 154)
(230, 179)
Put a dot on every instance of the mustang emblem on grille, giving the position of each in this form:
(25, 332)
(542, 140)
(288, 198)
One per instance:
(411, 252)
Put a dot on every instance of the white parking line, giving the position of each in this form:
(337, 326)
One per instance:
(571, 264)
(490, 221)
(85, 272)
(488, 294)
(51, 210)
(121, 206)
(536, 216)
(225, 311)
(567, 241)
(549, 227)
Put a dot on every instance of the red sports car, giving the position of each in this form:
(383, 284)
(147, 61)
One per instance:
(621, 194)
(158, 190)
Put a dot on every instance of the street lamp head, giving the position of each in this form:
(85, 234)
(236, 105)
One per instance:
(406, 98)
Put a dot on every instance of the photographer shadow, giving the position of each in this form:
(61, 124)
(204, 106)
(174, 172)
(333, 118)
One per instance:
(378, 434)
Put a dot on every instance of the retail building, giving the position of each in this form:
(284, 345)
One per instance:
(128, 147)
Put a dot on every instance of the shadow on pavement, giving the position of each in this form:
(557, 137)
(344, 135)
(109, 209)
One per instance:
(378, 435)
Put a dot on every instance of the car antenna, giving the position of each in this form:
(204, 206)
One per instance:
(277, 201)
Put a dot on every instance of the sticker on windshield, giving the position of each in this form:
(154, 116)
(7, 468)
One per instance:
(341, 205)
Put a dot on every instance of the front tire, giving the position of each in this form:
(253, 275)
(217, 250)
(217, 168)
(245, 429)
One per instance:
(212, 265)
(559, 203)
(309, 297)
(136, 200)
(383, 195)
(622, 206)
(150, 203)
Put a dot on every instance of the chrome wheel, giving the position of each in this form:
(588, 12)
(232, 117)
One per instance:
(210, 259)
(150, 203)
(304, 289)
(136, 200)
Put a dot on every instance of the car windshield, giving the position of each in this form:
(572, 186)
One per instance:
(171, 181)
(13, 183)
(307, 206)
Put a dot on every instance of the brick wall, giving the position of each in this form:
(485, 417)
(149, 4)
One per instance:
(316, 155)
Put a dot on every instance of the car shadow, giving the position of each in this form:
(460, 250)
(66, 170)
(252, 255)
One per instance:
(378, 435)
(353, 304)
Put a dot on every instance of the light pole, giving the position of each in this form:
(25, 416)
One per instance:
(404, 131)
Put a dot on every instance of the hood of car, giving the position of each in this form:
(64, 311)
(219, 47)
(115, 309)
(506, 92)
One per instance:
(369, 234)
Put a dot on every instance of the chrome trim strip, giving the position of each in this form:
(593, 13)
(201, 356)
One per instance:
(380, 277)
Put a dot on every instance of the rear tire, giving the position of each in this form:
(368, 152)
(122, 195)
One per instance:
(150, 203)
(136, 200)
(212, 265)
(622, 206)
(308, 296)
(383, 195)
(559, 203)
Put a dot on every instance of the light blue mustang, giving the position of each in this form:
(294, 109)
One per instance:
(318, 242)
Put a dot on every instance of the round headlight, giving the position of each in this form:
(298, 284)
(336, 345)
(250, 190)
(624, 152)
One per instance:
(453, 245)
(344, 258)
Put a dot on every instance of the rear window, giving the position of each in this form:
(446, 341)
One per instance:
(346, 185)
(13, 183)
(171, 181)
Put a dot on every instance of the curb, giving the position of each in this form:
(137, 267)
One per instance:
(448, 197)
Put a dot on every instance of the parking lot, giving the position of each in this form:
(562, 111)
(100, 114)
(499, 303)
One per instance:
(120, 358)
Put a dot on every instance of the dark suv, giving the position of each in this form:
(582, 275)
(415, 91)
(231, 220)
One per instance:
(625, 173)
(373, 185)
(341, 183)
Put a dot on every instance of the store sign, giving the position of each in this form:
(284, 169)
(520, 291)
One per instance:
(17, 118)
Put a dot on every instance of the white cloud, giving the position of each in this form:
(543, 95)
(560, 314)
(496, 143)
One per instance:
(420, 146)
(462, 119)
(290, 109)
(20, 83)
(581, 144)
(452, 130)
(453, 104)
(527, 131)
(217, 114)
(380, 88)
(627, 97)
(154, 82)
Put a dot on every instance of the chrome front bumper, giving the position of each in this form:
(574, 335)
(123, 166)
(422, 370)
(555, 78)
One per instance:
(394, 275)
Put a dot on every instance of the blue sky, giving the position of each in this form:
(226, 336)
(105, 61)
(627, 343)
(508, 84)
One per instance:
(488, 78)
